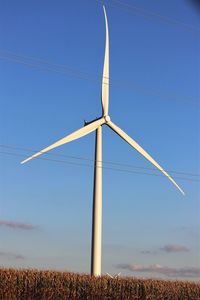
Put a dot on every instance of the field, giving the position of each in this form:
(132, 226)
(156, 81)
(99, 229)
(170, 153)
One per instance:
(46, 285)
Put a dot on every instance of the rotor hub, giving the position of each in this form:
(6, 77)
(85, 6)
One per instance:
(107, 119)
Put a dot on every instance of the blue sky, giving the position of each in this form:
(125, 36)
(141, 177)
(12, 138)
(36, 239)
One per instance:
(149, 228)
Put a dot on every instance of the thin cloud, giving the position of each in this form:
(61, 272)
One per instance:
(16, 225)
(166, 249)
(10, 255)
(148, 252)
(186, 272)
(174, 248)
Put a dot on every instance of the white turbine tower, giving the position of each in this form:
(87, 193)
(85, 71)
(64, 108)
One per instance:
(97, 189)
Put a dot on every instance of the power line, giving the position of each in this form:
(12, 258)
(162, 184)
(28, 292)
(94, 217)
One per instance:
(41, 67)
(41, 61)
(103, 167)
(149, 14)
(40, 64)
(91, 160)
(103, 162)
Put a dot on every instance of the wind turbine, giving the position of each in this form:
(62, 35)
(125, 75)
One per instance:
(96, 125)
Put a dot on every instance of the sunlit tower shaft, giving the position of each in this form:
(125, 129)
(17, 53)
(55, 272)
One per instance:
(96, 246)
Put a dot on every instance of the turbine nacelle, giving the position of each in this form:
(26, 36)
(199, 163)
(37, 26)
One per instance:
(106, 119)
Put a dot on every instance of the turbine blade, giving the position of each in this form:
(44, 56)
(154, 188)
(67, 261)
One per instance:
(137, 147)
(73, 136)
(105, 79)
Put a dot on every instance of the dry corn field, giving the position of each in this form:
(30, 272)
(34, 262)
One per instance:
(46, 285)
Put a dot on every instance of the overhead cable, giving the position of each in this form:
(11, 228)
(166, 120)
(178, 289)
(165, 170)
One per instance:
(40, 64)
(119, 165)
(150, 14)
